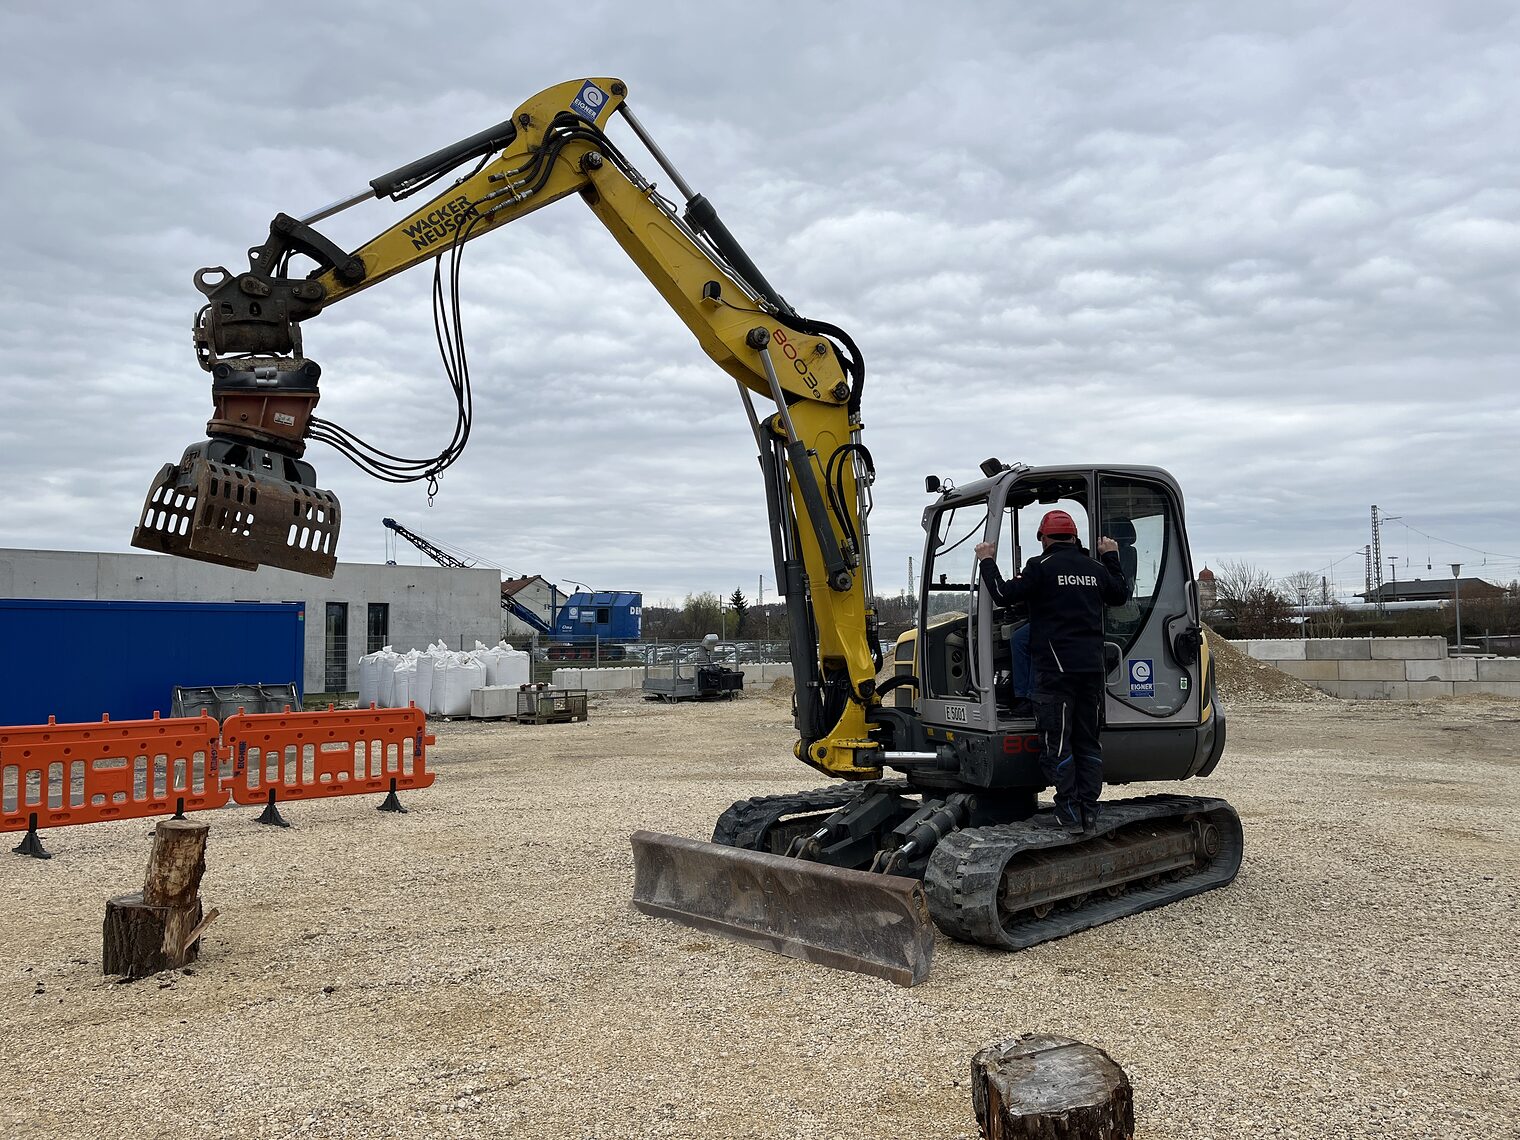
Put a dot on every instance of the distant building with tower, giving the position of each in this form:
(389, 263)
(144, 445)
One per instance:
(1208, 590)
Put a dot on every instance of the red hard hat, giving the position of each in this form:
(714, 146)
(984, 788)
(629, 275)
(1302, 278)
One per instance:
(1056, 522)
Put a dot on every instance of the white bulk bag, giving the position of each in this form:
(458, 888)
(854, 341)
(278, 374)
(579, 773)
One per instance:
(452, 681)
(369, 679)
(507, 666)
(405, 678)
(385, 687)
(422, 681)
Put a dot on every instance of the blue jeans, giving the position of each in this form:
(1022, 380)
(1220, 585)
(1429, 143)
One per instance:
(1023, 664)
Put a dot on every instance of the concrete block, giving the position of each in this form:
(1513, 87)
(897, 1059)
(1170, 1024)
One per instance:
(1498, 668)
(1420, 690)
(1338, 649)
(1492, 688)
(1276, 649)
(1311, 670)
(1407, 648)
(767, 673)
(605, 680)
(1442, 669)
(1370, 690)
(1371, 670)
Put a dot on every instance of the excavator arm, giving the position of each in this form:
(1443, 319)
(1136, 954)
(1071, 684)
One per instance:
(246, 496)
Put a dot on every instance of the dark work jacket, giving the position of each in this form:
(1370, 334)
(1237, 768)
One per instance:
(1066, 591)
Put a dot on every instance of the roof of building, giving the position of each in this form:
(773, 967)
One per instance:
(511, 586)
(1205, 575)
(1438, 589)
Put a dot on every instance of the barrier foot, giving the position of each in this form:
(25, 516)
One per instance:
(32, 844)
(391, 801)
(179, 808)
(271, 814)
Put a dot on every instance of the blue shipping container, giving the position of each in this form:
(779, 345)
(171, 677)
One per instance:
(75, 660)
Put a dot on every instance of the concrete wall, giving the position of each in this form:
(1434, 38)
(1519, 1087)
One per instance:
(426, 602)
(632, 676)
(1387, 668)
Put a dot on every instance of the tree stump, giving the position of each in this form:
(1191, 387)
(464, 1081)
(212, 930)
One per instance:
(1050, 1088)
(156, 929)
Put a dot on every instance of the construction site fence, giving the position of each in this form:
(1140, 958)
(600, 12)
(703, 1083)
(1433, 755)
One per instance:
(56, 775)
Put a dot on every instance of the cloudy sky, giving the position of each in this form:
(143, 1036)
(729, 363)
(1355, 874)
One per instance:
(1272, 248)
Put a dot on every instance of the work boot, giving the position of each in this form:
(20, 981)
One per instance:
(1090, 821)
(1022, 707)
(1061, 820)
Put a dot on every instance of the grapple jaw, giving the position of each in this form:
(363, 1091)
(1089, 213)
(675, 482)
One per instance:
(236, 504)
(850, 920)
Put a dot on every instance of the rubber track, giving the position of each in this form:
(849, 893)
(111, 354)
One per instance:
(966, 871)
(746, 823)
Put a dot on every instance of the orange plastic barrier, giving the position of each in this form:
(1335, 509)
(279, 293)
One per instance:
(340, 752)
(56, 774)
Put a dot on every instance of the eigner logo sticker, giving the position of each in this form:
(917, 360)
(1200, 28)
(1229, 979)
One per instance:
(589, 103)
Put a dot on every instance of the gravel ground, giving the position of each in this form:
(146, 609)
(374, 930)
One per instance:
(474, 968)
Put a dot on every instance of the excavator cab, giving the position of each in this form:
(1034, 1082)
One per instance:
(1159, 715)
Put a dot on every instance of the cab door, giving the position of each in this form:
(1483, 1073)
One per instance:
(1152, 664)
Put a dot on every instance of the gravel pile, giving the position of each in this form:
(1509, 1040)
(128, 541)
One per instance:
(1243, 679)
(474, 968)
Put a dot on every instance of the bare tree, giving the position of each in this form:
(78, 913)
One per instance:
(1252, 600)
(1329, 622)
(1302, 586)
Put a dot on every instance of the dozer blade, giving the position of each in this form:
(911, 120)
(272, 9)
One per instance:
(850, 920)
(234, 516)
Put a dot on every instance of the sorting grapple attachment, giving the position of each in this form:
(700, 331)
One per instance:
(850, 920)
(241, 506)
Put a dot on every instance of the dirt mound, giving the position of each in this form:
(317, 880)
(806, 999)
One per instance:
(780, 691)
(1243, 679)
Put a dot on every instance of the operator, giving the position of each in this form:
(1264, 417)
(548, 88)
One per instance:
(1065, 590)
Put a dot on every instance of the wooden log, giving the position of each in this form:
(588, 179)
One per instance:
(154, 930)
(177, 862)
(1038, 1087)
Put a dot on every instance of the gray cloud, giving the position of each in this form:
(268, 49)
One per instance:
(1272, 250)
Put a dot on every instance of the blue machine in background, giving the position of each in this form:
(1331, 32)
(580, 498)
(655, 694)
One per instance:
(611, 615)
(75, 660)
(593, 626)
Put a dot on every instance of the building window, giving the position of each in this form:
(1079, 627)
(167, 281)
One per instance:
(337, 647)
(379, 629)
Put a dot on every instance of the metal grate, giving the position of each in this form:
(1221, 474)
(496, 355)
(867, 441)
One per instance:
(378, 629)
(337, 647)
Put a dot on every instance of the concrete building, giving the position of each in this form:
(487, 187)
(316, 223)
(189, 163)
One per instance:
(361, 608)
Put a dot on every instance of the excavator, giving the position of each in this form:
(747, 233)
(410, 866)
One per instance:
(931, 816)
